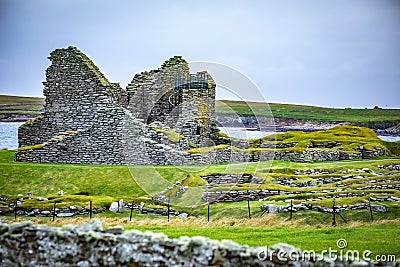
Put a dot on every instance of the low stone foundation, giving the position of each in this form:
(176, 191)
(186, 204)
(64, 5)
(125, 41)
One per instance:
(237, 195)
(306, 206)
(232, 179)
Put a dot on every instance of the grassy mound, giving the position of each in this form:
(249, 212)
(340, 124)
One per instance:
(348, 139)
(193, 180)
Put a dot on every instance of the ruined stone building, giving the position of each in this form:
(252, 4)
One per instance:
(89, 120)
(164, 116)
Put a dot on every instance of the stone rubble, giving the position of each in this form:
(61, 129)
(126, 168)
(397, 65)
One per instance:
(272, 208)
(232, 179)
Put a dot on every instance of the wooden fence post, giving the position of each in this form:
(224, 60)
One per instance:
(248, 204)
(15, 209)
(169, 199)
(208, 212)
(130, 216)
(90, 210)
(291, 209)
(334, 213)
(370, 209)
(54, 211)
(248, 207)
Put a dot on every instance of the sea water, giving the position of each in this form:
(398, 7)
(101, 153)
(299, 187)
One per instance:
(9, 134)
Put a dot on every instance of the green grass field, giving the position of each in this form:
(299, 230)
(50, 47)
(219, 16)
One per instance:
(379, 241)
(381, 238)
(104, 184)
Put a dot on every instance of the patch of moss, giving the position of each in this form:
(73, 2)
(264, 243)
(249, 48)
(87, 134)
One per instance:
(38, 146)
(221, 134)
(343, 138)
(29, 122)
(351, 131)
(192, 145)
(68, 200)
(202, 150)
(255, 150)
(393, 147)
(193, 180)
(32, 121)
(172, 135)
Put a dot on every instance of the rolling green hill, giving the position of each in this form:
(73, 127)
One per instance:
(19, 105)
(8, 99)
(289, 111)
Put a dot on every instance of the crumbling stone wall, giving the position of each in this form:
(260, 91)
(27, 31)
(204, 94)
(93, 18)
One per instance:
(231, 179)
(101, 143)
(25, 244)
(308, 155)
(173, 96)
(74, 89)
(88, 120)
(237, 195)
(150, 91)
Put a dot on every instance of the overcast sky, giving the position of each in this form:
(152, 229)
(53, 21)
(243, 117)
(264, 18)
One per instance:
(327, 53)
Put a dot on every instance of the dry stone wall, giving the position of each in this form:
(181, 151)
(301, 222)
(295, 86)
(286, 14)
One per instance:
(231, 179)
(100, 143)
(25, 244)
(237, 195)
(272, 208)
(74, 89)
(308, 155)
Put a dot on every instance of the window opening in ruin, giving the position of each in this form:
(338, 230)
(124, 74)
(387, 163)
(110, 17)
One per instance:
(198, 130)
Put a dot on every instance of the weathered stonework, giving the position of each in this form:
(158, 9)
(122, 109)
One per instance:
(306, 206)
(88, 120)
(173, 96)
(25, 244)
(75, 90)
(232, 179)
(237, 195)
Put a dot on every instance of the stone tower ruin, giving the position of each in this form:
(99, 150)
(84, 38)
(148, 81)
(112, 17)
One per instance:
(89, 120)
(173, 96)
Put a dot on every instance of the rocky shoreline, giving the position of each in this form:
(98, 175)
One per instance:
(297, 125)
(15, 117)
